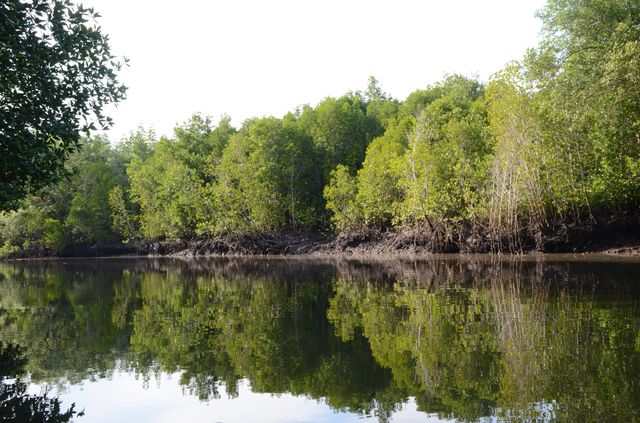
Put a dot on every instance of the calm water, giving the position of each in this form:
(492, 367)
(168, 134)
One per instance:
(298, 340)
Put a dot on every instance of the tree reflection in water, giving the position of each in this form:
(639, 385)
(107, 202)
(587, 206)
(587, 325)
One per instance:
(16, 405)
(468, 338)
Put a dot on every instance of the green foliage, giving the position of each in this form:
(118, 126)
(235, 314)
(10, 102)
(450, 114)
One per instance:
(265, 179)
(341, 131)
(378, 184)
(23, 228)
(79, 204)
(517, 176)
(194, 141)
(588, 67)
(270, 190)
(430, 165)
(552, 137)
(340, 195)
(89, 217)
(381, 108)
(166, 189)
(123, 221)
(546, 141)
(137, 145)
(171, 180)
(230, 211)
(54, 237)
(7, 249)
(58, 74)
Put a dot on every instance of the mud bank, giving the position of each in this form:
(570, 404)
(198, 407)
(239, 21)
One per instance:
(613, 235)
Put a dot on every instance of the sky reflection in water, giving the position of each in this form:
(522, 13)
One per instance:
(164, 400)
(330, 340)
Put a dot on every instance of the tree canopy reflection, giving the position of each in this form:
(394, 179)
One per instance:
(465, 338)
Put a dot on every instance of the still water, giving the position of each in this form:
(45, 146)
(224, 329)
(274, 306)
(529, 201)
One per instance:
(305, 340)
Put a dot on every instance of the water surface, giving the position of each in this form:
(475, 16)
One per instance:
(284, 340)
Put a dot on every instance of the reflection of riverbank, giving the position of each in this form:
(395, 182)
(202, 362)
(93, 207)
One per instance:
(512, 337)
(466, 338)
(17, 403)
(472, 269)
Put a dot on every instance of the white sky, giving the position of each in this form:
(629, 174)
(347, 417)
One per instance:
(250, 58)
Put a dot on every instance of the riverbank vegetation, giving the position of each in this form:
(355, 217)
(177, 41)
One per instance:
(551, 141)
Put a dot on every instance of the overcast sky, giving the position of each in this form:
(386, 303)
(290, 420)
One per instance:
(250, 58)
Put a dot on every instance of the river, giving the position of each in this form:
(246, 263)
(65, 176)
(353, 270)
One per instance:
(402, 339)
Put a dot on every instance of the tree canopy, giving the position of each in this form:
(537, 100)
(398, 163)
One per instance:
(58, 74)
(548, 143)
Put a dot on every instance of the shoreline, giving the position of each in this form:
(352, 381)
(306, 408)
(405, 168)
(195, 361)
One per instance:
(621, 242)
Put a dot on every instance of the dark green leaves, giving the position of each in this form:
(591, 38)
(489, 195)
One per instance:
(57, 75)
